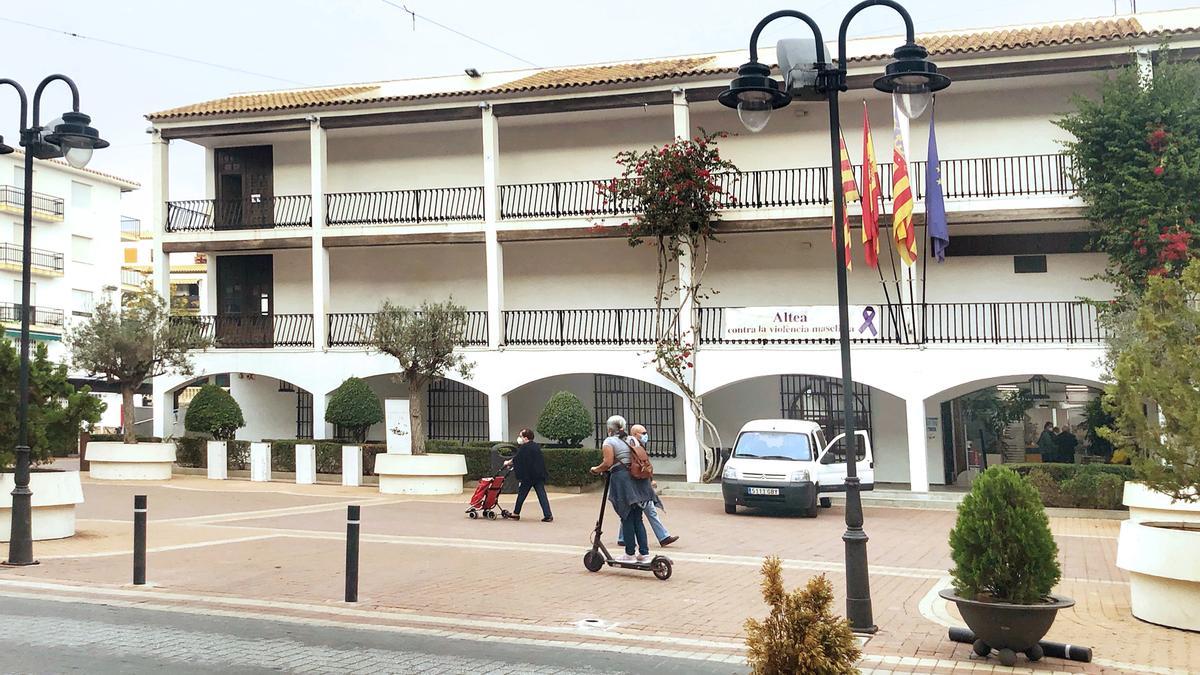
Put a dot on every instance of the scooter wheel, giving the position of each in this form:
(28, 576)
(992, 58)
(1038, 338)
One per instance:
(505, 514)
(491, 515)
(593, 561)
(473, 515)
(661, 567)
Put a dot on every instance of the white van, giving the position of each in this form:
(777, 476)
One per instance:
(787, 463)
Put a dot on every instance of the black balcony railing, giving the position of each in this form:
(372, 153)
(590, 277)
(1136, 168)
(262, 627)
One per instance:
(1011, 322)
(405, 206)
(972, 178)
(47, 261)
(581, 326)
(234, 331)
(355, 329)
(201, 215)
(14, 197)
(41, 316)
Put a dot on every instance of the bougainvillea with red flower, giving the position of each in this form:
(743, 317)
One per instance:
(1136, 162)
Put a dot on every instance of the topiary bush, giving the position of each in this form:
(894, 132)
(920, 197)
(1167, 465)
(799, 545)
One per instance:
(189, 452)
(355, 408)
(1049, 490)
(801, 634)
(1091, 488)
(1001, 544)
(565, 420)
(213, 411)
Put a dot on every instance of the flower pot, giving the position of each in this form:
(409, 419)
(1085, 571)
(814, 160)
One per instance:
(1159, 546)
(420, 474)
(141, 461)
(1007, 627)
(55, 494)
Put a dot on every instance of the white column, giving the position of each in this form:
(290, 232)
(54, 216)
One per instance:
(320, 428)
(260, 462)
(498, 417)
(491, 216)
(683, 117)
(320, 255)
(918, 453)
(351, 465)
(218, 460)
(208, 290)
(162, 412)
(693, 463)
(306, 464)
(159, 194)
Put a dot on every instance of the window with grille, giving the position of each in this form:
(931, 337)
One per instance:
(457, 412)
(304, 414)
(639, 403)
(819, 399)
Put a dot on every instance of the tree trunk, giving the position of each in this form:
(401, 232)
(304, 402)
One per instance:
(127, 414)
(416, 417)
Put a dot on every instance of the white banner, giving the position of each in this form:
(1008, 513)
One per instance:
(819, 322)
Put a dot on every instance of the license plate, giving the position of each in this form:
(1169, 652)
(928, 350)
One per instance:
(762, 491)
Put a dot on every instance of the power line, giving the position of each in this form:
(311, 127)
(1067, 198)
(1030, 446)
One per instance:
(415, 16)
(145, 50)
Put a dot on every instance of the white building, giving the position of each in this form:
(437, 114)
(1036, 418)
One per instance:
(323, 202)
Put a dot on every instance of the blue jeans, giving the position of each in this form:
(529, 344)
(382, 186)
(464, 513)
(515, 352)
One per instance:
(543, 500)
(660, 530)
(632, 528)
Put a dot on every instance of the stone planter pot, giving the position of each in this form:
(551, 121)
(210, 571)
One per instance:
(1159, 546)
(420, 474)
(1006, 627)
(55, 494)
(118, 461)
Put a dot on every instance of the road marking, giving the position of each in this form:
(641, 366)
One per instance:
(163, 549)
(279, 512)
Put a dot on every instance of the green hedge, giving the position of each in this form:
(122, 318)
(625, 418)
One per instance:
(567, 467)
(119, 438)
(1083, 486)
(1061, 472)
(193, 452)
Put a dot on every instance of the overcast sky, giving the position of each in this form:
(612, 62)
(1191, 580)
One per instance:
(288, 43)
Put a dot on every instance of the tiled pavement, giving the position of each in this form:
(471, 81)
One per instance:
(277, 548)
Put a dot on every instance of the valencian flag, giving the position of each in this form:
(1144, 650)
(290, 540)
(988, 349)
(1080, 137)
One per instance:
(850, 191)
(903, 233)
(872, 196)
(935, 205)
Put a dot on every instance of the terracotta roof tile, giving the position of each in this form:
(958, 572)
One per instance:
(1026, 37)
(267, 101)
(585, 76)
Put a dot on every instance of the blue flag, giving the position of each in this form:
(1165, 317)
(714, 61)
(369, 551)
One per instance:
(935, 204)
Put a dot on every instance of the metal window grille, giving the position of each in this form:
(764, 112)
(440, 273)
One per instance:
(819, 399)
(457, 412)
(639, 403)
(304, 414)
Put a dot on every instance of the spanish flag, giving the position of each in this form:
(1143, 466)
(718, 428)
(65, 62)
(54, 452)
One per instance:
(850, 192)
(904, 235)
(872, 196)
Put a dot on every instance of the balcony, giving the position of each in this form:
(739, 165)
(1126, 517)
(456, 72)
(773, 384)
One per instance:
(405, 206)
(354, 330)
(207, 215)
(45, 207)
(10, 313)
(131, 228)
(132, 279)
(42, 262)
(243, 332)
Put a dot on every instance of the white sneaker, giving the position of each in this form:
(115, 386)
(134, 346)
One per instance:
(643, 559)
(626, 558)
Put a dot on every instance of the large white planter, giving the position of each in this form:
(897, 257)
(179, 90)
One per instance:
(420, 474)
(1159, 547)
(118, 461)
(55, 494)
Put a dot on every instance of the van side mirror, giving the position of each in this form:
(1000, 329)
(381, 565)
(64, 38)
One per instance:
(829, 458)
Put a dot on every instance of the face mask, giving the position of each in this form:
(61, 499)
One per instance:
(645, 437)
(520, 440)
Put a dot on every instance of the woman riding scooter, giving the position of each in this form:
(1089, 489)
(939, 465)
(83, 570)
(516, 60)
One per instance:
(626, 493)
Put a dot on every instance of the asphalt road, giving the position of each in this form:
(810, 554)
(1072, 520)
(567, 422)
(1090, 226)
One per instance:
(44, 636)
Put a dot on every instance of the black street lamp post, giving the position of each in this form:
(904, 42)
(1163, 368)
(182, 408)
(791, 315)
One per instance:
(72, 138)
(755, 94)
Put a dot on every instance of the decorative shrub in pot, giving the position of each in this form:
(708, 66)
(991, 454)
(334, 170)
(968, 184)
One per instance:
(1005, 565)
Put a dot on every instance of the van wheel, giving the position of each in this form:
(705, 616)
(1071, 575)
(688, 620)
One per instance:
(811, 511)
(826, 502)
(730, 508)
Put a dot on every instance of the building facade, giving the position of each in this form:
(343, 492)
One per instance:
(321, 203)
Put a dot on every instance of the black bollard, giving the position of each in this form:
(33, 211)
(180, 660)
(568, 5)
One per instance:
(352, 522)
(139, 540)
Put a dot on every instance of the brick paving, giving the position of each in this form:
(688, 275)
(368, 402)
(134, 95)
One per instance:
(425, 564)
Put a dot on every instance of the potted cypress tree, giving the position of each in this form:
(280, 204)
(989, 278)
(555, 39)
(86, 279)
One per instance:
(1005, 565)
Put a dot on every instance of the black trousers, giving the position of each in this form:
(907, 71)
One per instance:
(543, 500)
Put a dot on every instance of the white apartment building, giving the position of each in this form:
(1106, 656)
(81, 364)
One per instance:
(323, 202)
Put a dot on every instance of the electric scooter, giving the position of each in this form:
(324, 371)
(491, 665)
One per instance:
(599, 556)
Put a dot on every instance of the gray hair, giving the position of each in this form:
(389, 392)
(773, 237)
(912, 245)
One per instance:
(616, 423)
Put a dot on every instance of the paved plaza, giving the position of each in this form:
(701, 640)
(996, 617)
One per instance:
(274, 551)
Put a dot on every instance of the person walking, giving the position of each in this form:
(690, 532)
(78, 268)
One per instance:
(626, 493)
(1047, 444)
(639, 434)
(1066, 442)
(529, 465)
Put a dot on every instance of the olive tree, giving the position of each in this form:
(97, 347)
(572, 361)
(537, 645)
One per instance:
(425, 342)
(133, 341)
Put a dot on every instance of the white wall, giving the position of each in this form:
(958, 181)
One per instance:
(577, 146)
(362, 277)
(269, 413)
(578, 274)
(405, 157)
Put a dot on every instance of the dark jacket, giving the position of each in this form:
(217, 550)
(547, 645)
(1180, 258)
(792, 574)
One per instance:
(529, 465)
(1047, 444)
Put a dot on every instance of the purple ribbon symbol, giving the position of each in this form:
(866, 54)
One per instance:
(868, 321)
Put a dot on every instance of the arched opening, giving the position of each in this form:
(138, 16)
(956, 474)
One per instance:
(272, 408)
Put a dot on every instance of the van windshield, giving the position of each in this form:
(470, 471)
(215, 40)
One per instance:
(773, 445)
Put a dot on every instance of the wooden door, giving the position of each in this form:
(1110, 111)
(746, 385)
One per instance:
(245, 301)
(245, 194)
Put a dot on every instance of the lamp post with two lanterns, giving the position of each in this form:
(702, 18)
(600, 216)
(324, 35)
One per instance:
(72, 138)
(911, 78)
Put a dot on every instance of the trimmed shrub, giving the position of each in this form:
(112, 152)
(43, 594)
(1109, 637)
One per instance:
(568, 467)
(1061, 472)
(565, 420)
(1048, 489)
(801, 634)
(1001, 543)
(479, 460)
(237, 455)
(355, 408)
(189, 451)
(213, 411)
(1081, 486)
(1091, 488)
(120, 438)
